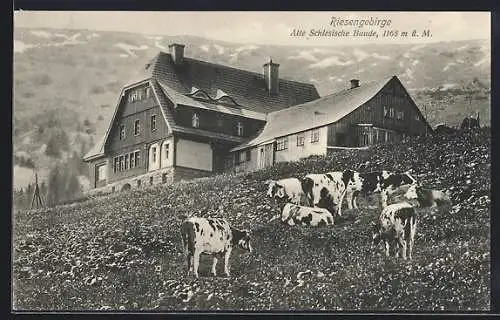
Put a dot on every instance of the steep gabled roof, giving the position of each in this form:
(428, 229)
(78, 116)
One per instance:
(248, 89)
(314, 114)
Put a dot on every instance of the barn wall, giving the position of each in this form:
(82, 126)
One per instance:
(294, 152)
(247, 165)
(193, 154)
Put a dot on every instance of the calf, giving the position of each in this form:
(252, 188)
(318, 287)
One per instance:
(396, 226)
(428, 197)
(293, 214)
(328, 190)
(211, 236)
(383, 182)
(286, 190)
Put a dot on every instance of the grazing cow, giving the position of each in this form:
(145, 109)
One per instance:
(328, 190)
(286, 190)
(293, 214)
(383, 182)
(211, 236)
(396, 226)
(428, 197)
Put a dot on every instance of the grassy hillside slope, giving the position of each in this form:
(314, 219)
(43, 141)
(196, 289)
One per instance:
(123, 251)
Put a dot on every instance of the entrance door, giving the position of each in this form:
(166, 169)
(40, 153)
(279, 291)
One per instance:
(266, 155)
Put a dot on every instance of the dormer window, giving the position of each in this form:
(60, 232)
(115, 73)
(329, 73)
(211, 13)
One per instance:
(239, 128)
(195, 121)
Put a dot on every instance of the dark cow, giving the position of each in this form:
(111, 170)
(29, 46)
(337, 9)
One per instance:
(396, 226)
(212, 236)
(306, 216)
(383, 182)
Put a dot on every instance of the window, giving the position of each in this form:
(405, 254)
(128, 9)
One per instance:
(122, 163)
(167, 147)
(148, 92)
(101, 173)
(132, 160)
(151, 180)
(137, 127)
(315, 135)
(195, 121)
(137, 156)
(400, 115)
(244, 156)
(122, 131)
(386, 111)
(248, 155)
(127, 163)
(220, 121)
(417, 118)
(239, 128)
(153, 152)
(138, 183)
(153, 122)
(282, 144)
(115, 165)
(300, 139)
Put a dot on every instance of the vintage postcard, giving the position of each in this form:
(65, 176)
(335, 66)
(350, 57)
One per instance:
(251, 161)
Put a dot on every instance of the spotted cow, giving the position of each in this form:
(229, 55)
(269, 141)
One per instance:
(396, 226)
(382, 182)
(306, 216)
(286, 190)
(328, 190)
(212, 236)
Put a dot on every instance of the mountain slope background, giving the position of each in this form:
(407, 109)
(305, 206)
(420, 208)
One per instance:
(67, 82)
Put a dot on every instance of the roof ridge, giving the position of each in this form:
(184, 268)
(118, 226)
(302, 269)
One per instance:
(235, 68)
(297, 106)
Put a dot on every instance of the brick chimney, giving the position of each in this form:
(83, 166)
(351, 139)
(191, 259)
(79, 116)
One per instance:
(177, 53)
(354, 83)
(271, 76)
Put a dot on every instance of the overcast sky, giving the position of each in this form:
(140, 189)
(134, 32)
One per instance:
(264, 27)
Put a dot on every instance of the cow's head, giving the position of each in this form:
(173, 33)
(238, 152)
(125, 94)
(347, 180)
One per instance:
(412, 194)
(242, 239)
(314, 185)
(356, 182)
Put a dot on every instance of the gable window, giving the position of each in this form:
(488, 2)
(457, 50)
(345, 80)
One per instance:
(122, 131)
(300, 139)
(417, 118)
(239, 128)
(400, 115)
(167, 147)
(315, 135)
(148, 92)
(281, 143)
(386, 111)
(137, 127)
(154, 154)
(153, 122)
(220, 121)
(195, 121)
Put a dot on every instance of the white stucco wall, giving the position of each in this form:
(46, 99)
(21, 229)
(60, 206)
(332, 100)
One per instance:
(192, 154)
(295, 152)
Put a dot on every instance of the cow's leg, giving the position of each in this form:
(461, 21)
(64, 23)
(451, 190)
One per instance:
(349, 197)
(354, 200)
(227, 254)
(196, 262)
(383, 199)
(402, 244)
(189, 263)
(214, 266)
(387, 247)
(412, 237)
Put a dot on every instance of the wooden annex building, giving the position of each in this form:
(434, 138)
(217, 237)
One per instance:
(358, 116)
(183, 118)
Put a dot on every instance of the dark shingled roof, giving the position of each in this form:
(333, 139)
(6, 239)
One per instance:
(247, 88)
